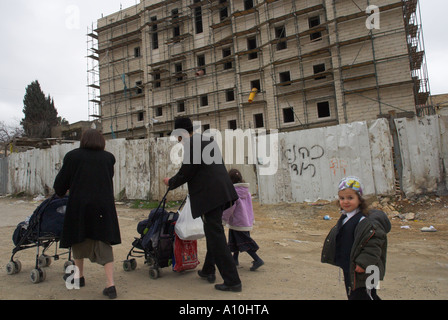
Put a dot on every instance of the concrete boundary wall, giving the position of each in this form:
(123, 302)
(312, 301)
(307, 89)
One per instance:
(310, 163)
(423, 154)
(314, 161)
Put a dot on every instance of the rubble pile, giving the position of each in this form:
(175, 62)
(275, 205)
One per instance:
(407, 209)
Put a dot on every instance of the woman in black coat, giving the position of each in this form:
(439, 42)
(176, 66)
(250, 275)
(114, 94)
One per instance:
(91, 224)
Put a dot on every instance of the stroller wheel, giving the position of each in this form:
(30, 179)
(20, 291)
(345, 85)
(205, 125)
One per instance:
(37, 275)
(129, 265)
(133, 264)
(44, 261)
(13, 267)
(153, 273)
(150, 261)
(68, 264)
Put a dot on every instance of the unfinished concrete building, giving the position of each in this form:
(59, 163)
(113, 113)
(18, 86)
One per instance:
(273, 64)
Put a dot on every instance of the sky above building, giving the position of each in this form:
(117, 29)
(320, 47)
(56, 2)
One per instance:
(46, 40)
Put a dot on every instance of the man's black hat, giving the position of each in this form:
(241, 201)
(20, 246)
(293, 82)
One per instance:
(184, 123)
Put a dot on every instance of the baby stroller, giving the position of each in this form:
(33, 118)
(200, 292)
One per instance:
(157, 242)
(41, 230)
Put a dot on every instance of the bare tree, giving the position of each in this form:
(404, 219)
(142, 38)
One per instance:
(7, 134)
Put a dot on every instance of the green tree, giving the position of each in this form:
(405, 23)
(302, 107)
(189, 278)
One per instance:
(40, 112)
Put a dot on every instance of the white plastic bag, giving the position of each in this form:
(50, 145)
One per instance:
(186, 227)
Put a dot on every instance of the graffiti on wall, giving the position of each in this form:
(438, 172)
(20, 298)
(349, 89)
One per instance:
(338, 165)
(301, 160)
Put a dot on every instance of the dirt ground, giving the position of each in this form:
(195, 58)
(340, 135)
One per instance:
(290, 237)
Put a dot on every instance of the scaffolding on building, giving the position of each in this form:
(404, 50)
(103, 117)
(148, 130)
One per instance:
(93, 75)
(170, 79)
(417, 58)
(118, 49)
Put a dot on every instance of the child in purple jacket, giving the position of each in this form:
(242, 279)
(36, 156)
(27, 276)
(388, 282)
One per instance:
(239, 219)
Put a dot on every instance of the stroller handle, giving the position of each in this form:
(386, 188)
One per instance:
(145, 231)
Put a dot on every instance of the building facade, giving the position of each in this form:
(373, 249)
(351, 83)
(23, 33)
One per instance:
(272, 64)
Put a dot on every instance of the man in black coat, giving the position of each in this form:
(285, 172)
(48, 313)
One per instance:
(211, 192)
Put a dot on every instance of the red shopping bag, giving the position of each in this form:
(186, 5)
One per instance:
(185, 254)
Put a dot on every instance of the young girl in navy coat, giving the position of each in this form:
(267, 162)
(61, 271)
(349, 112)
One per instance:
(239, 219)
(358, 242)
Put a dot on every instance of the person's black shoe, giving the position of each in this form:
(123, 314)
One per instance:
(110, 292)
(82, 281)
(224, 287)
(256, 264)
(209, 277)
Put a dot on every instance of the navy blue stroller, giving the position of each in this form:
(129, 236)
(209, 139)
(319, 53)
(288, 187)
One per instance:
(156, 241)
(41, 230)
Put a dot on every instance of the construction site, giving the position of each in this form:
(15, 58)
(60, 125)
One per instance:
(273, 64)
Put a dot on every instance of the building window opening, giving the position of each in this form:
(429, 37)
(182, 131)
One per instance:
(255, 84)
(201, 63)
(258, 120)
(285, 78)
(198, 18)
(178, 71)
(280, 33)
(314, 22)
(319, 68)
(181, 106)
(204, 100)
(141, 116)
(155, 36)
(288, 115)
(248, 4)
(251, 45)
(137, 52)
(139, 87)
(323, 109)
(232, 124)
(157, 81)
(225, 53)
(230, 95)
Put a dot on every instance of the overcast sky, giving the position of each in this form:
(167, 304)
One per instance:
(45, 40)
